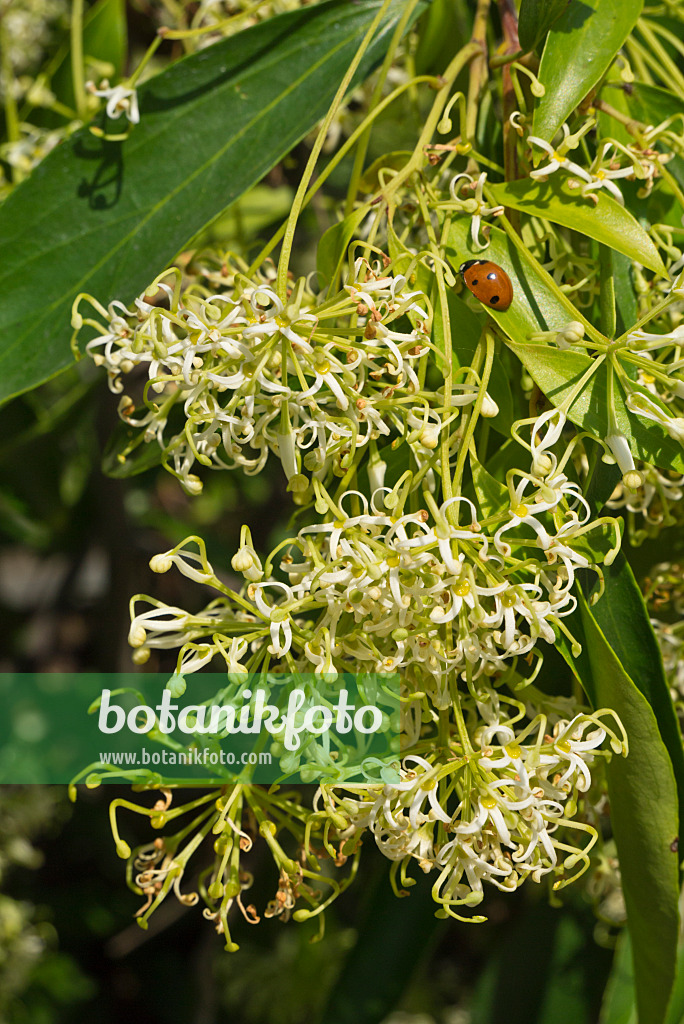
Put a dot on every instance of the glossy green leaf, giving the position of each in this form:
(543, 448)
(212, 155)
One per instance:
(538, 304)
(605, 220)
(126, 453)
(105, 34)
(675, 1012)
(445, 22)
(105, 217)
(579, 50)
(623, 618)
(557, 372)
(332, 247)
(260, 208)
(619, 1000)
(536, 18)
(625, 296)
(603, 478)
(652, 104)
(492, 496)
(644, 817)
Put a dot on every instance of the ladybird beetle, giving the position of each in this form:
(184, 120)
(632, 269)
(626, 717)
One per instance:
(488, 282)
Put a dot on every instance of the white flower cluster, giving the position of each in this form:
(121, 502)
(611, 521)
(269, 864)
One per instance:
(309, 382)
(380, 590)
(500, 813)
(640, 163)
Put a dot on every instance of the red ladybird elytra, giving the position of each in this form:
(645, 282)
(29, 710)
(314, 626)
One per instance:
(488, 282)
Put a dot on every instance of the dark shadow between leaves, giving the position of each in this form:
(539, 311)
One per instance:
(576, 15)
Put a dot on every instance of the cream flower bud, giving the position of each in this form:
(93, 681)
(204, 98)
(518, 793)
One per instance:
(247, 562)
(570, 334)
(429, 437)
(633, 480)
(161, 563)
(489, 407)
(137, 635)
(192, 484)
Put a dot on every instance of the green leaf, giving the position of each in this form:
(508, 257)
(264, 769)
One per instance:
(579, 50)
(536, 18)
(126, 454)
(675, 1013)
(259, 208)
(557, 372)
(625, 296)
(492, 496)
(105, 35)
(106, 217)
(603, 479)
(332, 248)
(623, 618)
(380, 965)
(538, 304)
(542, 967)
(606, 220)
(644, 818)
(651, 104)
(618, 1003)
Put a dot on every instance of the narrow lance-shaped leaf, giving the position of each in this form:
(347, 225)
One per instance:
(644, 815)
(579, 49)
(106, 217)
(619, 1005)
(332, 248)
(623, 618)
(536, 18)
(600, 217)
(380, 964)
(538, 304)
